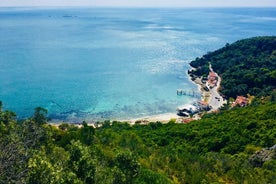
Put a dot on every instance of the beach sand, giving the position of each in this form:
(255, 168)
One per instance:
(205, 95)
(163, 118)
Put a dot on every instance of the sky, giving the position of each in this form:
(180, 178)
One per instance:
(142, 3)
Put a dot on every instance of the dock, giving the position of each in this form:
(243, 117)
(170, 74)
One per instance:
(181, 92)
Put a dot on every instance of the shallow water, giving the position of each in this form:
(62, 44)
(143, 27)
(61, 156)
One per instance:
(85, 63)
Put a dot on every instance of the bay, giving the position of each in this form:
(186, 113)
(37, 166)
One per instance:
(112, 63)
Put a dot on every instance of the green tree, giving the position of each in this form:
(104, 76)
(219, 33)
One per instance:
(127, 168)
(86, 134)
(147, 176)
(81, 162)
(40, 115)
(7, 117)
(51, 168)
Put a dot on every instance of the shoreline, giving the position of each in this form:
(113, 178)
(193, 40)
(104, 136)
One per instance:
(163, 118)
(205, 95)
(211, 97)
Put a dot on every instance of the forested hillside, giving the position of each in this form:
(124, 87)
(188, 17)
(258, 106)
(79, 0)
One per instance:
(246, 66)
(218, 148)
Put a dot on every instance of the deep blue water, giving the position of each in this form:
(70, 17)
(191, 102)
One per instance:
(86, 63)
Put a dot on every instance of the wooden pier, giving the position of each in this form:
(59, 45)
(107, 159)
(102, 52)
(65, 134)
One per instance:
(181, 92)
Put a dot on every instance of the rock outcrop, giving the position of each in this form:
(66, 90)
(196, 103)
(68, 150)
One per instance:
(265, 154)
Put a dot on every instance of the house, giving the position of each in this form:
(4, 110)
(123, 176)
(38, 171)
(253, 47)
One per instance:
(212, 79)
(212, 75)
(241, 101)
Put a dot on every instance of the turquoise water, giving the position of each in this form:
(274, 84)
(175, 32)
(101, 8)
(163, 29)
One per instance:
(85, 63)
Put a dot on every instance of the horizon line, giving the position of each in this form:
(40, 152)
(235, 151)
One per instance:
(93, 6)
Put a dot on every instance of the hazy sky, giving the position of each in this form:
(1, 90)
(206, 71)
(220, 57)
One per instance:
(143, 3)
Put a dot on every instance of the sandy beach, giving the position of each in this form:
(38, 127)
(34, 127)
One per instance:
(163, 118)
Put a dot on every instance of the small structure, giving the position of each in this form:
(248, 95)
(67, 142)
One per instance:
(187, 110)
(212, 79)
(187, 120)
(241, 101)
(204, 80)
(191, 109)
(204, 106)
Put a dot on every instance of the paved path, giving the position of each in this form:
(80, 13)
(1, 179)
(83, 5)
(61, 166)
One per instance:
(216, 100)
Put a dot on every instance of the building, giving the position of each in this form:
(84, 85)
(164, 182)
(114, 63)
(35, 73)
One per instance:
(241, 101)
(212, 80)
(191, 109)
(187, 110)
(203, 106)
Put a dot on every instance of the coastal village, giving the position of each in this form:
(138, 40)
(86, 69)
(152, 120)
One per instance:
(211, 99)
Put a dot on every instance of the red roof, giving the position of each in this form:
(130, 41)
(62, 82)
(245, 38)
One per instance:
(187, 120)
(241, 101)
(212, 74)
(203, 103)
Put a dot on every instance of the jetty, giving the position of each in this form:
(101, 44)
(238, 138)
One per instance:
(181, 92)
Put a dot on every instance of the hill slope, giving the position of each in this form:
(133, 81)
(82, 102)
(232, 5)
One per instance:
(218, 148)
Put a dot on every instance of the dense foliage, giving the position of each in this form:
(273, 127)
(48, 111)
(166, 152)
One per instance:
(217, 148)
(246, 66)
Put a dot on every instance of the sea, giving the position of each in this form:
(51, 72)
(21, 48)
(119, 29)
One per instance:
(97, 64)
